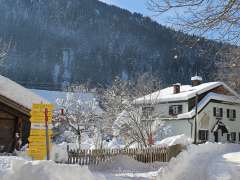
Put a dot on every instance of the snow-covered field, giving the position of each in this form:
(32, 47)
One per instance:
(203, 162)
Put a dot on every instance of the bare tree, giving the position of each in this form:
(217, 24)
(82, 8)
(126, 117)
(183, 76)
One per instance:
(218, 19)
(78, 112)
(203, 16)
(134, 127)
(112, 100)
(229, 67)
(125, 117)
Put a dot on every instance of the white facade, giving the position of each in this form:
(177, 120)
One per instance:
(173, 110)
(206, 120)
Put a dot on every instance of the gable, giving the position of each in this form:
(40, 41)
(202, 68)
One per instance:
(222, 90)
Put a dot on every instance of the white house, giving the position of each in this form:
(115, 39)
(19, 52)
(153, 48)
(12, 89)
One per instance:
(218, 110)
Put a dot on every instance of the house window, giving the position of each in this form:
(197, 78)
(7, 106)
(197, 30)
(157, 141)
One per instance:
(147, 111)
(228, 137)
(217, 112)
(231, 114)
(175, 109)
(203, 135)
(233, 136)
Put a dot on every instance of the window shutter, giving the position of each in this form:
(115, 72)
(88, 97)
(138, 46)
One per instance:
(214, 111)
(234, 113)
(228, 113)
(221, 112)
(180, 108)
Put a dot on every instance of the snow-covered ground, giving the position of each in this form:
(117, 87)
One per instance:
(12, 168)
(203, 162)
(121, 167)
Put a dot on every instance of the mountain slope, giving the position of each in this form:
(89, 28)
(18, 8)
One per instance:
(58, 42)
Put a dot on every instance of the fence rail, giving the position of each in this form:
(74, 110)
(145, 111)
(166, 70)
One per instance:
(147, 155)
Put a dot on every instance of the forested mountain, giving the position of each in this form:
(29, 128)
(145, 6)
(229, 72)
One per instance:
(57, 42)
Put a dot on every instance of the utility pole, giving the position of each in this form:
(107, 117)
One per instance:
(195, 119)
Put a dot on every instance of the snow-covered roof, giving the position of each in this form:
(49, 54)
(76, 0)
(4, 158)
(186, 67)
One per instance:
(18, 94)
(204, 102)
(196, 78)
(186, 92)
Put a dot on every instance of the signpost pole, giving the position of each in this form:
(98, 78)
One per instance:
(46, 128)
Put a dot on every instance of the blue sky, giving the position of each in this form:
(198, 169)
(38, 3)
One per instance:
(132, 5)
(139, 6)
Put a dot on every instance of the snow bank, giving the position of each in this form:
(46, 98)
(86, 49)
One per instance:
(179, 139)
(123, 163)
(12, 168)
(200, 162)
(232, 157)
(59, 152)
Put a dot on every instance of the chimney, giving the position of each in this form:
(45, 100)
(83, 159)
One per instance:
(196, 80)
(176, 88)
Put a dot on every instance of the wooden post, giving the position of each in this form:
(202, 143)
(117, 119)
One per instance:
(46, 129)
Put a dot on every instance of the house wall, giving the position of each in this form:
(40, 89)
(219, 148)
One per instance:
(206, 120)
(178, 127)
(207, 113)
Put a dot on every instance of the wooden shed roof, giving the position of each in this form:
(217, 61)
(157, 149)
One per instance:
(17, 96)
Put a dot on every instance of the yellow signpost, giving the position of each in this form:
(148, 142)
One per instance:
(41, 131)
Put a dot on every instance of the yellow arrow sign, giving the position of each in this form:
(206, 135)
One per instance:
(43, 106)
(40, 121)
(38, 142)
(40, 114)
(39, 131)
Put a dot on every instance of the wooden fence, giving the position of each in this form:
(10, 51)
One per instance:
(147, 155)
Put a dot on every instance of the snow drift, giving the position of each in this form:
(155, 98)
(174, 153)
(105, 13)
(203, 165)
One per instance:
(173, 140)
(13, 168)
(205, 161)
(123, 163)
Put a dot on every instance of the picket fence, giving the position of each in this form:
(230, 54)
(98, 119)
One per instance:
(146, 155)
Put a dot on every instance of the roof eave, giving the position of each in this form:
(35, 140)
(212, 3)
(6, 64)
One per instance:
(15, 105)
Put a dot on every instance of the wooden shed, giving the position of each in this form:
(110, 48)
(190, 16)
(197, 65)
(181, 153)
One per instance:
(15, 106)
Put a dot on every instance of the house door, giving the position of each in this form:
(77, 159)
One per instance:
(7, 132)
(216, 136)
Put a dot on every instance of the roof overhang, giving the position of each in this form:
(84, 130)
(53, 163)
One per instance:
(15, 105)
